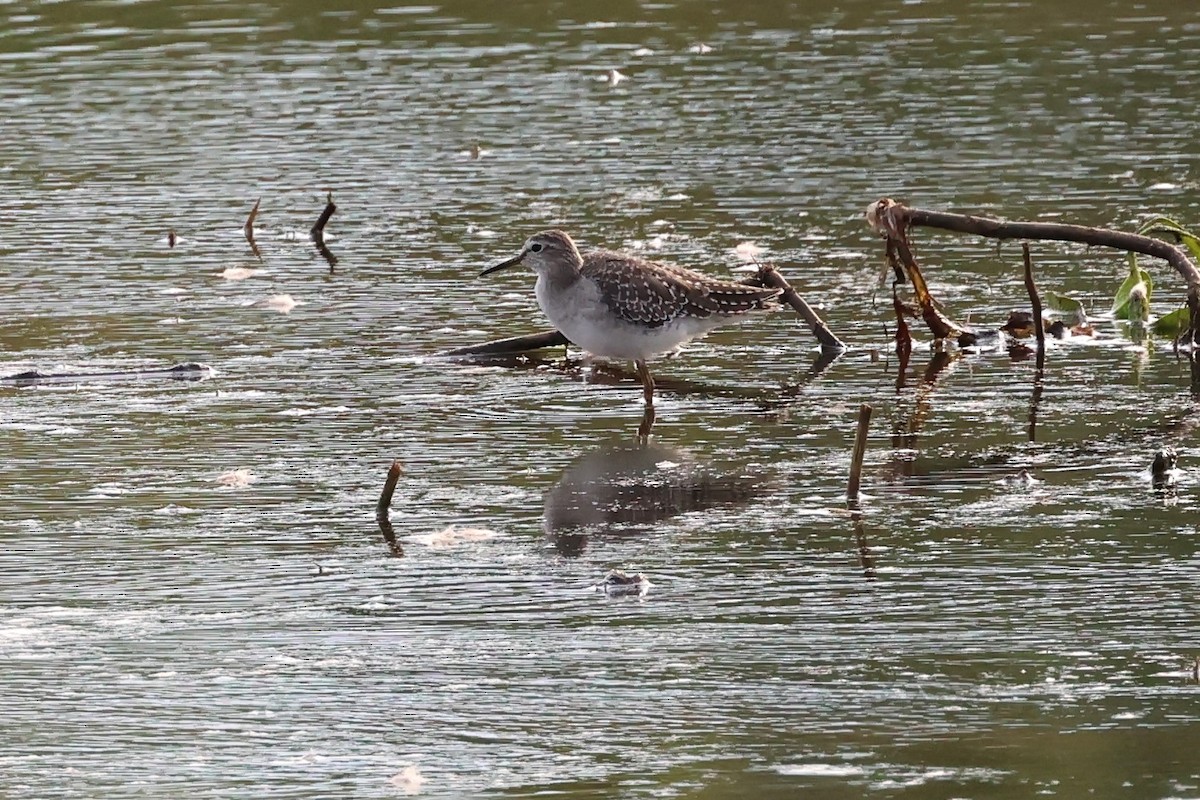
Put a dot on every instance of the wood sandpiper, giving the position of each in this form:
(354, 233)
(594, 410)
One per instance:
(615, 305)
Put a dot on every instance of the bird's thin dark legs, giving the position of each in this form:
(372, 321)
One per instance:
(648, 385)
(647, 381)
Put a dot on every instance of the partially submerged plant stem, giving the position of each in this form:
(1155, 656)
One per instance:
(248, 229)
(318, 231)
(900, 255)
(1039, 327)
(860, 449)
(384, 504)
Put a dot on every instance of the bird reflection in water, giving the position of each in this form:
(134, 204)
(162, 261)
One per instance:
(626, 490)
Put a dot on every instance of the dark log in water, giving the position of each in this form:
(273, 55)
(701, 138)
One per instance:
(517, 344)
(182, 372)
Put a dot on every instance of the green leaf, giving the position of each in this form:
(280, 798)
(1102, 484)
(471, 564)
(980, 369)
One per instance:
(1168, 226)
(1173, 325)
(1133, 298)
(1064, 304)
(1061, 303)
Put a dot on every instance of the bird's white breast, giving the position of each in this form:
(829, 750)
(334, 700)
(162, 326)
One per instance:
(579, 311)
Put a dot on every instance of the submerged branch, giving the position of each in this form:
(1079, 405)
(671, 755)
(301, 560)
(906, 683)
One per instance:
(185, 372)
(517, 344)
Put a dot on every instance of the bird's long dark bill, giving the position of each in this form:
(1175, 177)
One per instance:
(510, 263)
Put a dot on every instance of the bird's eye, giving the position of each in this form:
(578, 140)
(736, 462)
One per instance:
(536, 247)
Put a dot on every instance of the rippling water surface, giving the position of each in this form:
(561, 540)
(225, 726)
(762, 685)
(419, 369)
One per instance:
(196, 599)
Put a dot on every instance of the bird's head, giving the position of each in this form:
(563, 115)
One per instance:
(544, 252)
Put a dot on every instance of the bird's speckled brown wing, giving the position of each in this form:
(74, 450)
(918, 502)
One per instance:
(652, 294)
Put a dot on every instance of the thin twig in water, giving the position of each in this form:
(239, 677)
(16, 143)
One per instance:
(1039, 327)
(248, 229)
(385, 502)
(318, 231)
(856, 461)
(860, 449)
(318, 228)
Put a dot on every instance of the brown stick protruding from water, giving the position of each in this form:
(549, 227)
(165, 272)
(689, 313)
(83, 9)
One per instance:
(900, 256)
(903, 334)
(860, 450)
(385, 503)
(318, 231)
(770, 277)
(318, 228)
(892, 220)
(1039, 326)
(248, 229)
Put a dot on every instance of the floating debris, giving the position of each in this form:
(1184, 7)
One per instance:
(236, 478)
(238, 273)
(619, 582)
(614, 77)
(283, 303)
(1022, 480)
(409, 780)
(748, 251)
(700, 48)
(454, 536)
